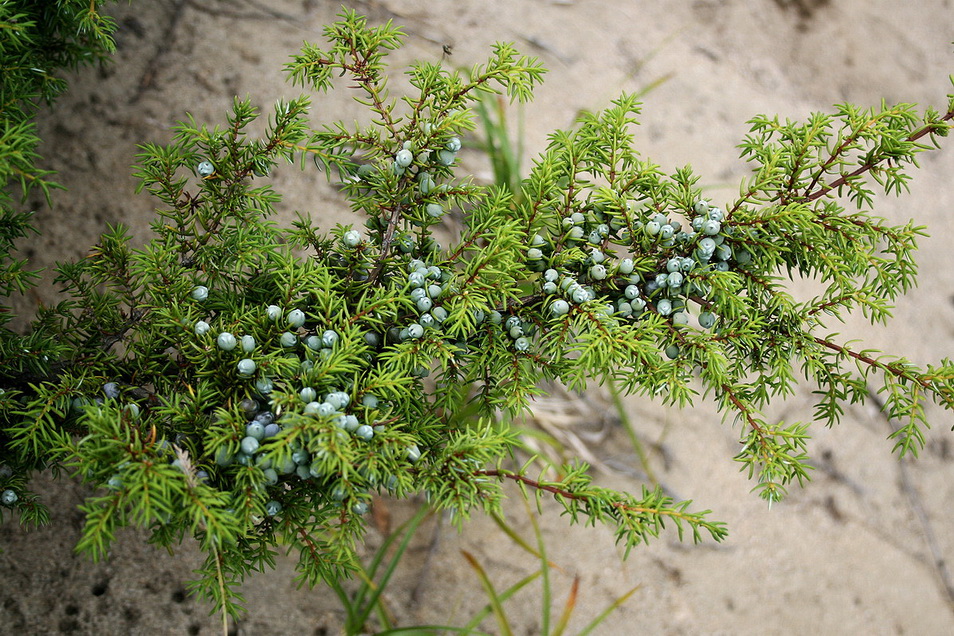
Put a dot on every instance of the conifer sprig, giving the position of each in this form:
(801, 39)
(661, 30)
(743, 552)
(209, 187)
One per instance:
(249, 385)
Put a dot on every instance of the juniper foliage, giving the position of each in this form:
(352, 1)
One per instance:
(252, 386)
(37, 41)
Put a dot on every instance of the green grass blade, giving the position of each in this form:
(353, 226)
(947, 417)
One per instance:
(495, 600)
(609, 610)
(408, 528)
(430, 629)
(568, 608)
(510, 591)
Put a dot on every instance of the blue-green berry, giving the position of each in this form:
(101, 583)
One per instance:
(434, 210)
(364, 432)
(598, 272)
(307, 394)
(246, 366)
(274, 312)
(205, 169)
(272, 508)
(664, 306)
(425, 183)
(652, 228)
(200, 293)
(415, 331)
(559, 307)
(707, 319)
(264, 385)
(226, 341)
(202, 328)
(369, 401)
(249, 445)
(296, 318)
(248, 343)
(711, 227)
(272, 429)
(338, 399)
(351, 238)
(403, 158)
(453, 144)
(271, 478)
(329, 338)
(424, 304)
(350, 423)
(631, 291)
(360, 508)
(288, 340)
(626, 266)
(521, 344)
(672, 351)
(701, 206)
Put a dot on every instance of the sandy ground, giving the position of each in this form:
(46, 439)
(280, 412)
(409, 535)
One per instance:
(856, 551)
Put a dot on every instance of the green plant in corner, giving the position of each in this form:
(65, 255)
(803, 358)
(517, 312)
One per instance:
(251, 386)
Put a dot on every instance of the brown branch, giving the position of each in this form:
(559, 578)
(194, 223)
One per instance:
(844, 179)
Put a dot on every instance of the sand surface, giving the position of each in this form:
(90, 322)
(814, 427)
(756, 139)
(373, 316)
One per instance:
(855, 552)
